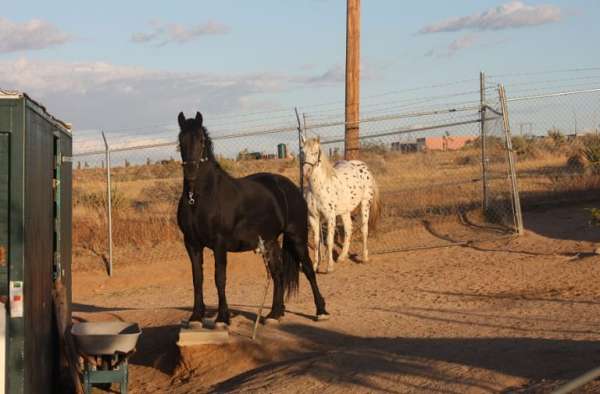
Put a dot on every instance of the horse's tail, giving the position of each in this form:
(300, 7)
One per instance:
(291, 266)
(375, 210)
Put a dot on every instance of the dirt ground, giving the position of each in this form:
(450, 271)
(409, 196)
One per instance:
(518, 315)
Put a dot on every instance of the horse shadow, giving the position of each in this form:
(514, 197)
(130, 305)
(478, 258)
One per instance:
(157, 348)
(390, 364)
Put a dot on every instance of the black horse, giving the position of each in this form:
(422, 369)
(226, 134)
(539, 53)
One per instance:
(226, 214)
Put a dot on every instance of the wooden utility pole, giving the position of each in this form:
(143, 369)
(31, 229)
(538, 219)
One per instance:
(352, 143)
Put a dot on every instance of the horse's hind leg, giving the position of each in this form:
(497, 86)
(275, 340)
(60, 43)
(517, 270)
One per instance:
(365, 206)
(347, 220)
(220, 280)
(276, 269)
(301, 252)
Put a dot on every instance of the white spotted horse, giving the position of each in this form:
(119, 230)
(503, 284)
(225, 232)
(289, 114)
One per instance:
(227, 214)
(338, 190)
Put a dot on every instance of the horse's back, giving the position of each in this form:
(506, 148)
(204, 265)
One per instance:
(356, 177)
(287, 193)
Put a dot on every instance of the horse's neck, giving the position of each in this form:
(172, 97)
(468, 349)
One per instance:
(322, 175)
(208, 178)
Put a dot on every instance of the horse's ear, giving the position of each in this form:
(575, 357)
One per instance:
(199, 118)
(181, 119)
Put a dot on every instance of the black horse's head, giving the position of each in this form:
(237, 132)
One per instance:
(194, 144)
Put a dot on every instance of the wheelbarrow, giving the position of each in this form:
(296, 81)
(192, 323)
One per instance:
(105, 348)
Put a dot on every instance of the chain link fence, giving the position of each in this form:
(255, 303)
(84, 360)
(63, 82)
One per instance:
(443, 169)
(557, 143)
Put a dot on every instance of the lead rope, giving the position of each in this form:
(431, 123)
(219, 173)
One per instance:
(262, 251)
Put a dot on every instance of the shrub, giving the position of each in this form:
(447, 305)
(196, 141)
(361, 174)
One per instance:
(377, 165)
(526, 147)
(578, 163)
(557, 137)
(97, 200)
(594, 216)
(374, 147)
(591, 150)
(163, 191)
(468, 160)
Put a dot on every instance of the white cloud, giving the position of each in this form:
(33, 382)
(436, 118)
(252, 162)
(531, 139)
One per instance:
(335, 74)
(460, 43)
(514, 14)
(99, 95)
(31, 35)
(163, 34)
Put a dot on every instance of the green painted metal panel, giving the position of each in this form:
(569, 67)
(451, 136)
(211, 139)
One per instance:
(27, 196)
(12, 117)
(4, 210)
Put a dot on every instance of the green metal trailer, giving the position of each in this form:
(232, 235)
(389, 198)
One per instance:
(35, 240)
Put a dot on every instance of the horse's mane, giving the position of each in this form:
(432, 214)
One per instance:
(208, 145)
(209, 152)
(327, 165)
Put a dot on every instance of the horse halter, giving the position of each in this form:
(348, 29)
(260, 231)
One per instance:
(195, 163)
(316, 162)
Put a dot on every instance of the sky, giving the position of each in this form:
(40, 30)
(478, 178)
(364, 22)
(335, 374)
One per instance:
(129, 67)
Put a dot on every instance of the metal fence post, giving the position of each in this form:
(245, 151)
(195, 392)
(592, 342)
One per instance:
(108, 205)
(300, 152)
(518, 215)
(483, 138)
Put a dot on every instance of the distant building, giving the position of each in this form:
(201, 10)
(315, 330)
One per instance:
(405, 147)
(443, 143)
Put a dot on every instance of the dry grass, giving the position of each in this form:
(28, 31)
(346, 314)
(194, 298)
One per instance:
(432, 186)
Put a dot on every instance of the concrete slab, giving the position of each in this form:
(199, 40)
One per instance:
(194, 334)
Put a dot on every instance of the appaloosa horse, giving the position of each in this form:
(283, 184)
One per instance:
(225, 214)
(338, 190)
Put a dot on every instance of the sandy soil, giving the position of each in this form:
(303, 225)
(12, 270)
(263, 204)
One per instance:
(518, 315)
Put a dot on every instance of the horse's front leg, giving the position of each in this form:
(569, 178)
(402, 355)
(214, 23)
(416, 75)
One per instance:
(330, 233)
(196, 254)
(220, 281)
(315, 225)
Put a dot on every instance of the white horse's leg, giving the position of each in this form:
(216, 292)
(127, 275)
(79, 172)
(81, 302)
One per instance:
(330, 232)
(313, 220)
(365, 206)
(347, 220)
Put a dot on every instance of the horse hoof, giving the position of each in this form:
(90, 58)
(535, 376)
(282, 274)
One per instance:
(323, 317)
(194, 324)
(269, 321)
(221, 326)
